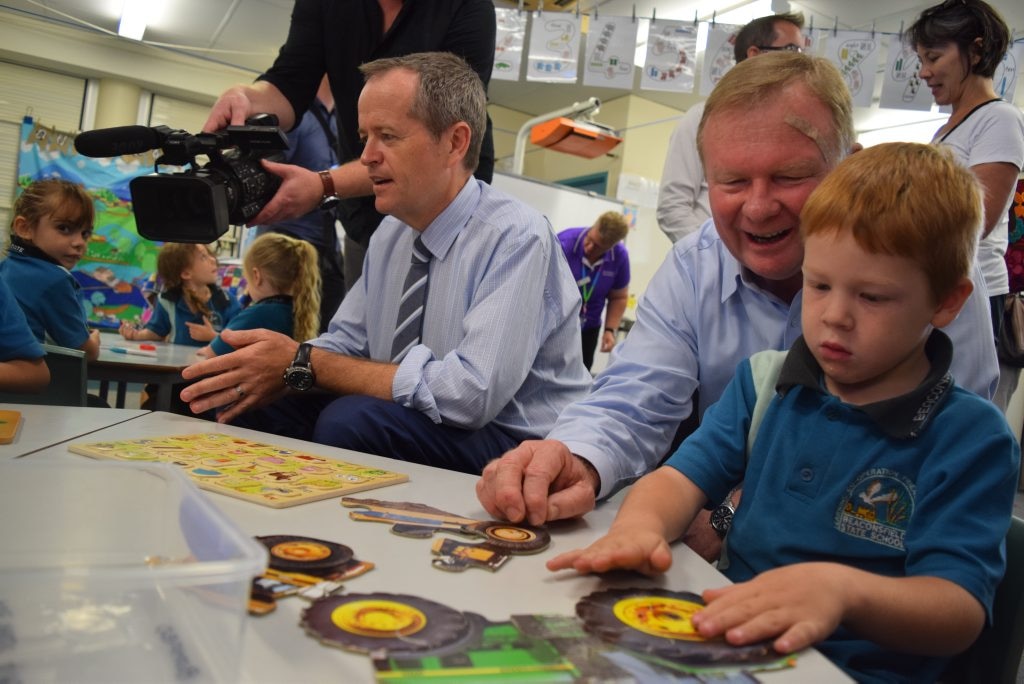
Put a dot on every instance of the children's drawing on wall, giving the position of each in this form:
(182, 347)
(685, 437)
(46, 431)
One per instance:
(610, 48)
(671, 52)
(554, 47)
(902, 87)
(856, 54)
(719, 55)
(508, 44)
(1005, 79)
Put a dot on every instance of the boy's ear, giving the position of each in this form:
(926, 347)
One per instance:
(22, 228)
(951, 304)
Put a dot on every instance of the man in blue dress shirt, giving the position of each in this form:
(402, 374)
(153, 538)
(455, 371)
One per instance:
(499, 355)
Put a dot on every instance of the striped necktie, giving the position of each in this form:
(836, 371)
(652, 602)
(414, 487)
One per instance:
(410, 309)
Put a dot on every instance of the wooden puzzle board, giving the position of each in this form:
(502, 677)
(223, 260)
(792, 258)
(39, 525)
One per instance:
(266, 474)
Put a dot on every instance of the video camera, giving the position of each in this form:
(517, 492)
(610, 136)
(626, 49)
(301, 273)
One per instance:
(198, 204)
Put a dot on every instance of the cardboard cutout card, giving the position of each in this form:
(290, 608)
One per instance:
(302, 566)
(414, 639)
(500, 539)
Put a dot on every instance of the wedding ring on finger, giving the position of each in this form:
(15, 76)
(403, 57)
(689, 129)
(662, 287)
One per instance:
(239, 391)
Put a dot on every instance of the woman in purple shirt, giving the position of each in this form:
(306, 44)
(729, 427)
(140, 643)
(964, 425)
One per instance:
(600, 266)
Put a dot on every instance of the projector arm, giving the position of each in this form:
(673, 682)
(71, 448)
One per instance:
(590, 106)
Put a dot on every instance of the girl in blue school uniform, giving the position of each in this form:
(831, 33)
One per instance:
(283, 283)
(53, 220)
(191, 309)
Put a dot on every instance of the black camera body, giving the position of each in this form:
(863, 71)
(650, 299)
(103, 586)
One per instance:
(199, 203)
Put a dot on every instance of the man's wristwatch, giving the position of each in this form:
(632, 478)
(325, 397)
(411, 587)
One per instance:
(299, 376)
(330, 198)
(721, 517)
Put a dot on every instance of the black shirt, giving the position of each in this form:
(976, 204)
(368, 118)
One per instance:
(336, 36)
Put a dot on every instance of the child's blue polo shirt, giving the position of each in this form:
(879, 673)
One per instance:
(918, 485)
(16, 339)
(272, 313)
(48, 295)
(171, 313)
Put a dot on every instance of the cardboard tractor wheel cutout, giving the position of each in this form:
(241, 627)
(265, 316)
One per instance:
(500, 539)
(411, 638)
(302, 566)
(657, 621)
(395, 623)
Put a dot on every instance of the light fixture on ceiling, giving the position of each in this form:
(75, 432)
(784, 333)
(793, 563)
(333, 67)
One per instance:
(134, 15)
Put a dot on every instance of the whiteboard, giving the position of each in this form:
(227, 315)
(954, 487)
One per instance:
(565, 207)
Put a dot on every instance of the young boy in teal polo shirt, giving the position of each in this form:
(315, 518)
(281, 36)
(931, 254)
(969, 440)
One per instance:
(877, 493)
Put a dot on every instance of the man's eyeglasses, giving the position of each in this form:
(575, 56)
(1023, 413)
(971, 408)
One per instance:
(773, 48)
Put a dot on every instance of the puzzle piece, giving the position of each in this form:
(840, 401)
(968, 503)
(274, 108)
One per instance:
(419, 521)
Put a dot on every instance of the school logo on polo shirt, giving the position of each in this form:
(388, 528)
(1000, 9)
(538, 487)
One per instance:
(877, 507)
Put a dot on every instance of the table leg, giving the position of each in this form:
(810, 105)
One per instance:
(122, 389)
(163, 396)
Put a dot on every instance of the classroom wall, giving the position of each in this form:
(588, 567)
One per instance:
(31, 42)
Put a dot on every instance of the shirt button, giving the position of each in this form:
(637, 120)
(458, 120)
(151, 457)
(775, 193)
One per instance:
(832, 413)
(806, 474)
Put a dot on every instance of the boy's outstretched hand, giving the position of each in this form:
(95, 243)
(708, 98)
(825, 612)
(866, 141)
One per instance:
(796, 605)
(641, 550)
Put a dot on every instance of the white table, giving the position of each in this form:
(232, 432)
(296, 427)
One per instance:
(278, 650)
(163, 370)
(42, 426)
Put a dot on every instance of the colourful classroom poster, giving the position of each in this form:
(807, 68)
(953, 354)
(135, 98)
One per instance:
(117, 260)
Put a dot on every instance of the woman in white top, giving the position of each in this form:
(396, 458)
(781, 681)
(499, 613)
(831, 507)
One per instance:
(961, 45)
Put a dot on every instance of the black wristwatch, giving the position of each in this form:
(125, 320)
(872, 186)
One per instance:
(299, 376)
(721, 517)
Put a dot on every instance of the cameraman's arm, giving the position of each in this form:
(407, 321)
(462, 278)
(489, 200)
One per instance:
(240, 102)
(302, 189)
(351, 180)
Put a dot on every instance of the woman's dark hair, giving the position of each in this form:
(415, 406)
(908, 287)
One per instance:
(963, 22)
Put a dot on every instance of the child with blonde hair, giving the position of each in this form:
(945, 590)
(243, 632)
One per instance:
(877, 493)
(53, 221)
(191, 309)
(283, 281)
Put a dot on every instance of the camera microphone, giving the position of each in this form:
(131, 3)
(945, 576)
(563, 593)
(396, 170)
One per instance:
(118, 141)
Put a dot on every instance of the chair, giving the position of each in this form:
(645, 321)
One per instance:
(996, 655)
(67, 380)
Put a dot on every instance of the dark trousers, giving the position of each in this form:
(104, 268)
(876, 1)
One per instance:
(380, 427)
(332, 285)
(590, 338)
(997, 305)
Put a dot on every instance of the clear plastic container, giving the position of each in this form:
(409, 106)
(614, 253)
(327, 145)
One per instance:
(118, 572)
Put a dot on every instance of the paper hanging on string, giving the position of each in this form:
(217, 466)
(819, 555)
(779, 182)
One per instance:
(508, 44)
(554, 47)
(902, 87)
(671, 56)
(719, 55)
(611, 44)
(1006, 78)
(856, 54)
